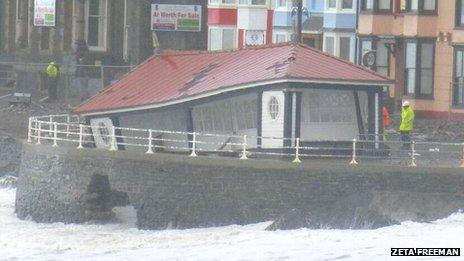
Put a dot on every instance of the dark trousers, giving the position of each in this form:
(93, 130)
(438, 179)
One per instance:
(406, 139)
(52, 87)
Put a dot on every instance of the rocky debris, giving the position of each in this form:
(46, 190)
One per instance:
(8, 182)
(292, 219)
(10, 156)
(440, 131)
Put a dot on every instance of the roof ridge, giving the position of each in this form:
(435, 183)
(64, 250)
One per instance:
(344, 61)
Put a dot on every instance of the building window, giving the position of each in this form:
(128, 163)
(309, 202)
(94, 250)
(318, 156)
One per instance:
(419, 68)
(331, 4)
(225, 2)
(422, 7)
(96, 24)
(279, 38)
(273, 107)
(281, 3)
(222, 39)
(382, 54)
(380, 6)
(252, 2)
(347, 4)
(345, 48)
(340, 45)
(329, 45)
(460, 13)
(458, 91)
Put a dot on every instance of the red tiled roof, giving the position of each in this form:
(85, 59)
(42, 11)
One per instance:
(174, 76)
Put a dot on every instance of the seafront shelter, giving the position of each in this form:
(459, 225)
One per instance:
(273, 94)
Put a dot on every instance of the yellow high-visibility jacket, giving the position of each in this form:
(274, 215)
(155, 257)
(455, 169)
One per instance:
(52, 71)
(407, 119)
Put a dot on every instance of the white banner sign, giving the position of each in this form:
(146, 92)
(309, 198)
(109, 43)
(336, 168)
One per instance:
(44, 12)
(176, 17)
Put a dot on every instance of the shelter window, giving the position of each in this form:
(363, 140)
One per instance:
(323, 106)
(420, 68)
(273, 107)
(96, 24)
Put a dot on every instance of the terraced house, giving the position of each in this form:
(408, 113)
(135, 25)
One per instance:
(420, 44)
(328, 25)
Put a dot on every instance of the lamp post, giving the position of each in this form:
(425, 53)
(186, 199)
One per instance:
(298, 10)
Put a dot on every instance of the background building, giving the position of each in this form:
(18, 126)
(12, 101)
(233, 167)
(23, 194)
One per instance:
(94, 42)
(420, 45)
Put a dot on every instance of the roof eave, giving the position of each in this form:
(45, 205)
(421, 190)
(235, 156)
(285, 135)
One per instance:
(233, 88)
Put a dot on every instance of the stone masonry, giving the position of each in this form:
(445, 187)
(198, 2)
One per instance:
(176, 191)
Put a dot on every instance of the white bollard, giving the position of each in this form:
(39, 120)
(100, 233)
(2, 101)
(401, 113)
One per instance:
(150, 142)
(194, 140)
(353, 158)
(413, 154)
(244, 146)
(297, 151)
(113, 139)
(29, 131)
(55, 134)
(81, 127)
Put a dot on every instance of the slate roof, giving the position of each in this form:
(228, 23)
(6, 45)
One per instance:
(174, 77)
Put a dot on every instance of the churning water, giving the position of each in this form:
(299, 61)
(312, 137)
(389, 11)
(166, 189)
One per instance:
(26, 240)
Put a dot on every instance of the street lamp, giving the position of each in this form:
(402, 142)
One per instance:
(299, 11)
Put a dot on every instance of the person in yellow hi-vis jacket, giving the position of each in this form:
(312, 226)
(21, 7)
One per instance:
(407, 124)
(53, 72)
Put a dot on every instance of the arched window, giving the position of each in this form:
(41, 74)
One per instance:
(273, 107)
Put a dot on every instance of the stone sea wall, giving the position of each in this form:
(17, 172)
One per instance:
(10, 155)
(167, 190)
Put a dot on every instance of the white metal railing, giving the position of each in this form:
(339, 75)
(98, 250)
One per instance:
(59, 130)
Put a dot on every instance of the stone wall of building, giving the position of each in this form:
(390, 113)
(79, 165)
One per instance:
(169, 190)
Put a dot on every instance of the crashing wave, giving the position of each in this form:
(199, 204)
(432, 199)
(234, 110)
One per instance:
(8, 181)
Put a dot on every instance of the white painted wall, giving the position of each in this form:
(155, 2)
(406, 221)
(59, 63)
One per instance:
(272, 127)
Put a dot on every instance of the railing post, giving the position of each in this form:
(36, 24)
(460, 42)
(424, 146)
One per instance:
(150, 142)
(353, 158)
(413, 154)
(55, 134)
(68, 119)
(194, 145)
(244, 146)
(297, 151)
(462, 163)
(50, 126)
(39, 133)
(29, 131)
(113, 139)
(81, 130)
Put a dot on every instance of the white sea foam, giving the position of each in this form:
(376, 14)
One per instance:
(26, 240)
